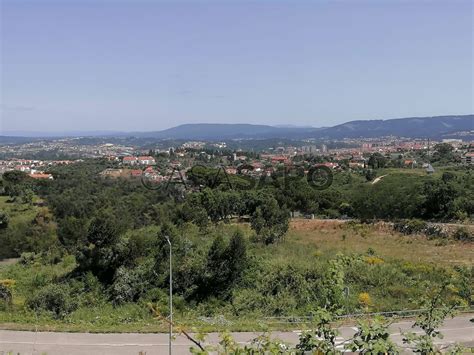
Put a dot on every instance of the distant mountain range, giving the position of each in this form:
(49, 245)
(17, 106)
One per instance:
(223, 131)
(412, 127)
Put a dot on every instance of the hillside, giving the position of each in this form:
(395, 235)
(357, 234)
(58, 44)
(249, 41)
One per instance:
(219, 131)
(430, 127)
(413, 127)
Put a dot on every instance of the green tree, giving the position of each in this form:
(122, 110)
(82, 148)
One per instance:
(27, 196)
(370, 174)
(270, 222)
(443, 153)
(439, 199)
(16, 183)
(376, 161)
(15, 177)
(225, 264)
(72, 232)
(101, 253)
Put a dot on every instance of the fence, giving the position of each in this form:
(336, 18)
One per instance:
(390, 314)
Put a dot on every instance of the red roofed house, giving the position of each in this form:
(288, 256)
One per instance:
(130, 160)
(136, 173)
(279, 159)
(468, 158)
(41, 176)
(330, 165)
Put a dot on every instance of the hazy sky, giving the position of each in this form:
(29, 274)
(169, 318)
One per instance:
(147, 65)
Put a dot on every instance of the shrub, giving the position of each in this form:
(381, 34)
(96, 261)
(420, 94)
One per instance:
(416, 226)
(8, 283)
(373, 260)
(373, 337)
(4, 220)
(27, 258)
(462, 234)
(129, 284)
(5, 294)
(371, 251)
(364, 299)
(53, 298)
(411, 226)
(433, 230)
(40, 279)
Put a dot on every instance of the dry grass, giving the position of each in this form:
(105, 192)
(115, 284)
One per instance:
(330, 236)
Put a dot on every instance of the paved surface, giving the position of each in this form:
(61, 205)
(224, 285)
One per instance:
(459, 329)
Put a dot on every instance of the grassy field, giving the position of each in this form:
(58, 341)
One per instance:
(306, 241)
(330, 237)
(18, 212)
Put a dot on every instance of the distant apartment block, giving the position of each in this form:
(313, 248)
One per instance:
(142, 160)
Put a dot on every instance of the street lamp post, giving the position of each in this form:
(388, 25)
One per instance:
(171, 295)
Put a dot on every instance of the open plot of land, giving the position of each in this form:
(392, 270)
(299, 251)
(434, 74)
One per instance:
(332, 236)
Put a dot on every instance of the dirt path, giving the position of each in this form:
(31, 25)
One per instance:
(377, 179)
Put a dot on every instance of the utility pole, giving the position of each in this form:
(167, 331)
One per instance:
(171, 296)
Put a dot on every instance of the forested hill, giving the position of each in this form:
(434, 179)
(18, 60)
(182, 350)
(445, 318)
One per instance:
(222, 131)
(432, 127)
(413, 127)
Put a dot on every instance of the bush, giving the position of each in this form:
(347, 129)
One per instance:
(463, 235)
(410, 226)
(127, 286)
(5, 294)
(4, 220)
(364, 299)
(53, 298)
(270, 222)
(27, 258)
(433, 230)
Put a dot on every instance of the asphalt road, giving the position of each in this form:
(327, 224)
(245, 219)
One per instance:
(459, 329)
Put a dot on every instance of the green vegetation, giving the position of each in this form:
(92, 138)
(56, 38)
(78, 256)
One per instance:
(25, 227)
(372, 337)
(96, 256)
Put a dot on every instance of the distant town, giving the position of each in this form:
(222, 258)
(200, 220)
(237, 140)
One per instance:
(161, 163)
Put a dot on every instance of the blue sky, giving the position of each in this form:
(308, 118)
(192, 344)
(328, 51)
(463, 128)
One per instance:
(148, 65)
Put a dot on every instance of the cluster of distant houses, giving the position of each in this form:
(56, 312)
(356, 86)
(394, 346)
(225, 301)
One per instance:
(136, 167)
(34, 168)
